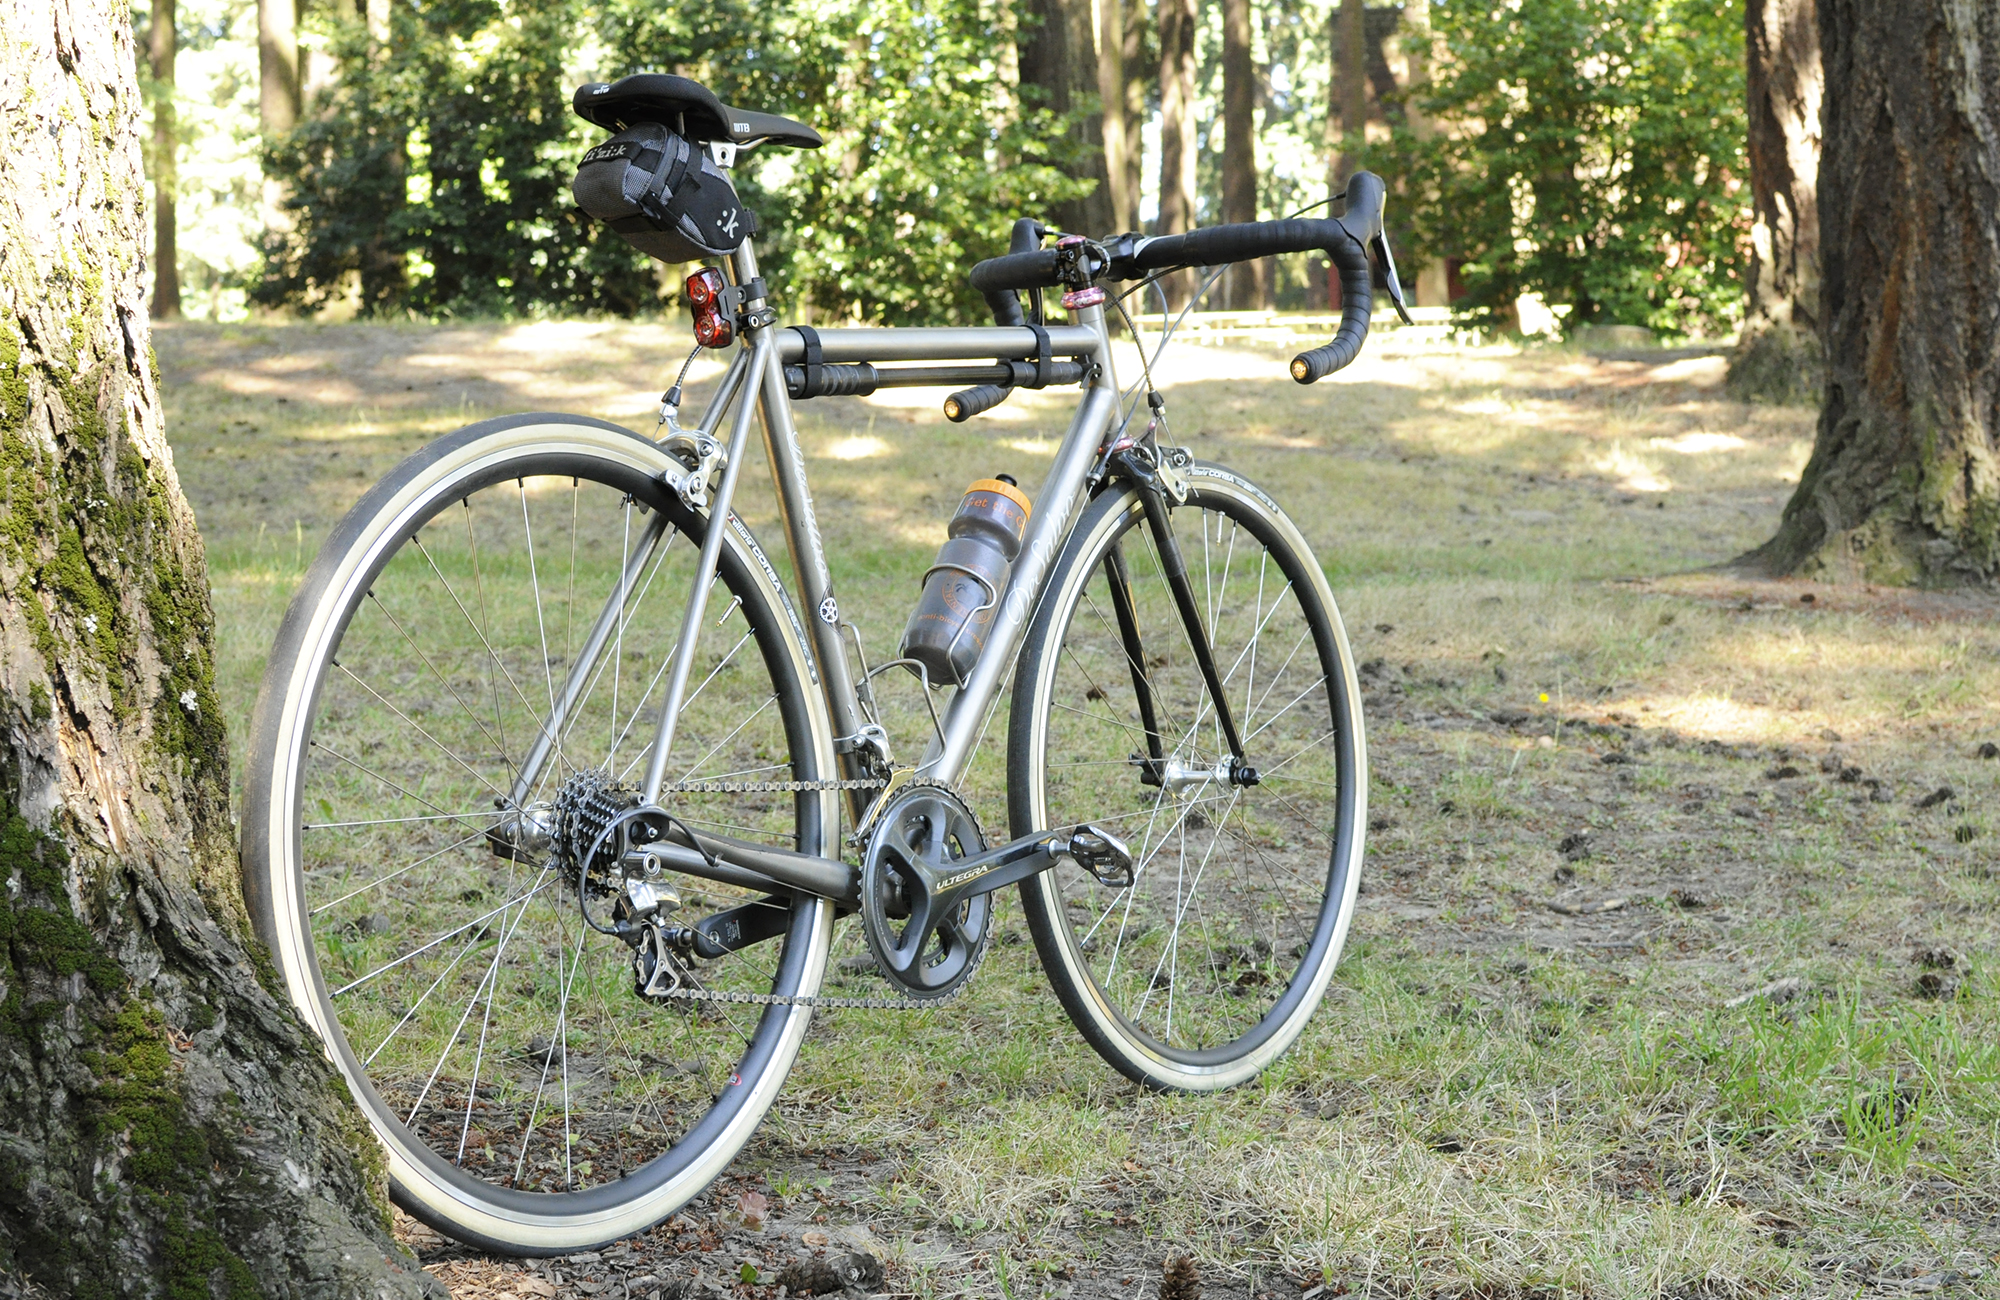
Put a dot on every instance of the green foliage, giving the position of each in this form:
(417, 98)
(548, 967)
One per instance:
(1595, 156)
(925, 170)
(434, 177)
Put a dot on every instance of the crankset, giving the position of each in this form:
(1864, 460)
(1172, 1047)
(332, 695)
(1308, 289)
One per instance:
(926, 882)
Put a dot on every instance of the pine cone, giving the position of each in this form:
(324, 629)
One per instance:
(1182, 1279)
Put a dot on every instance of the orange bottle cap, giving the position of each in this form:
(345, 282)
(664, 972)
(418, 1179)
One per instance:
(1007, 490)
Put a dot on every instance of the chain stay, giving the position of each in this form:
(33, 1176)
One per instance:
(682, 993)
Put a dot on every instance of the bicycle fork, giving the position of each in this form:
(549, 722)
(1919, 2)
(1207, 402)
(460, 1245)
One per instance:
(1160, 489)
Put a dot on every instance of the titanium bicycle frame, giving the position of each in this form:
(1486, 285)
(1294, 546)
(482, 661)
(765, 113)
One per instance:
(759, 366)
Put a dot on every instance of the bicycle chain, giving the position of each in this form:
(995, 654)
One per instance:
(684, 994)
(772, 787)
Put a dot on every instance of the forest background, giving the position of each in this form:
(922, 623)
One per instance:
(412, 157)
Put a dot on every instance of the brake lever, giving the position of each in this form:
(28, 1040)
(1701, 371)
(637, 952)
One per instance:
(1381, 243)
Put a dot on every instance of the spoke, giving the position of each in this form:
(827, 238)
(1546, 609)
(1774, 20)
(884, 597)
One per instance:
(491, 653)
(471, 942)
(1315, 685)
(413, 725)
(407, 794)
(397, 821)
(477, 721)
(485, 615)
(489, 984)
(418, 952)
(1181, 906)
(541, 626)
(383, 880)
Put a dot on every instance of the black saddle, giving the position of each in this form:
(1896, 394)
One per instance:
(689, 108)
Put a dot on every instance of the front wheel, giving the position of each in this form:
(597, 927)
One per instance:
(1206, 968)
(482, 644)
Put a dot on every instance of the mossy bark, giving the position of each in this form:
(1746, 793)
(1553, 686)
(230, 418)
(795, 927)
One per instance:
(167, 1127)
(1904, 481)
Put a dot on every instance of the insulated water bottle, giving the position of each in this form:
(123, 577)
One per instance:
(949, 625)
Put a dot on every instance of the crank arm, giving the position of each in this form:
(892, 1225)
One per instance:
(1096, 851)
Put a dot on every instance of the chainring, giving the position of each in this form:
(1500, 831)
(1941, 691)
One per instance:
(922, 831)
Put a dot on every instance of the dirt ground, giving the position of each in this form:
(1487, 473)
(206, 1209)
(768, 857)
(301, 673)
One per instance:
(1673, 973)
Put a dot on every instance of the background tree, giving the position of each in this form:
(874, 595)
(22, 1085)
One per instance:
(1178, 20)
(171, 1129)
(1119, 125)
(162, 46)
(1904, 480)
(1594, 156)
(1058, 65)
(1779, 357)
(1246, 286)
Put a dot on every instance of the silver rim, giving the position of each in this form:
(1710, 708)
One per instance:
(525, 1096)
(1207, 968)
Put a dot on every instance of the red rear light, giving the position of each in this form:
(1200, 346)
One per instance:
(704, 286)
(712, 329)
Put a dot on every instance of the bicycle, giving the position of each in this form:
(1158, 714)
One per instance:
(544, 814)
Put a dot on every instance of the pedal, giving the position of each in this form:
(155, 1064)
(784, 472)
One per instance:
(1103, 855)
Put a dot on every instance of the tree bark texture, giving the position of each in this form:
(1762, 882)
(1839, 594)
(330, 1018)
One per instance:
(1433, 277)
(163, 46)
(1136, 69)
(278, 65)
(1118, 142)
(1779, 357)
(1350, 81)
(1058, 56)
(167, 1126)
(1903, 484)
(1246, 286)
(1178, 20)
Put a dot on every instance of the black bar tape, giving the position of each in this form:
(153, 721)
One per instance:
(962, 406)
(858, 380)
(1357, 300)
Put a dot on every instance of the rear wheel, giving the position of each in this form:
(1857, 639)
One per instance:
(1205, 968)
(414, 705)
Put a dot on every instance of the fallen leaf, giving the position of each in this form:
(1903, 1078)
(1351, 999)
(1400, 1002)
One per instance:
(815, 1238)
(754, 1208)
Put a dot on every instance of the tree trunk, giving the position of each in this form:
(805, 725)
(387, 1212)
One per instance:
(167, 1126)
(1347, 105)
(162, 38)
(278, 65)
(1247, 284)
(1058, 55)
(1433, 277)
(1903, 484)
(1118, 142)
(1178, 19)
(1779, 358)
(1350, 79)
(1137, 72)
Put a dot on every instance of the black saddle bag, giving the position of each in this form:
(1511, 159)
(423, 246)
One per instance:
(663, 194)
